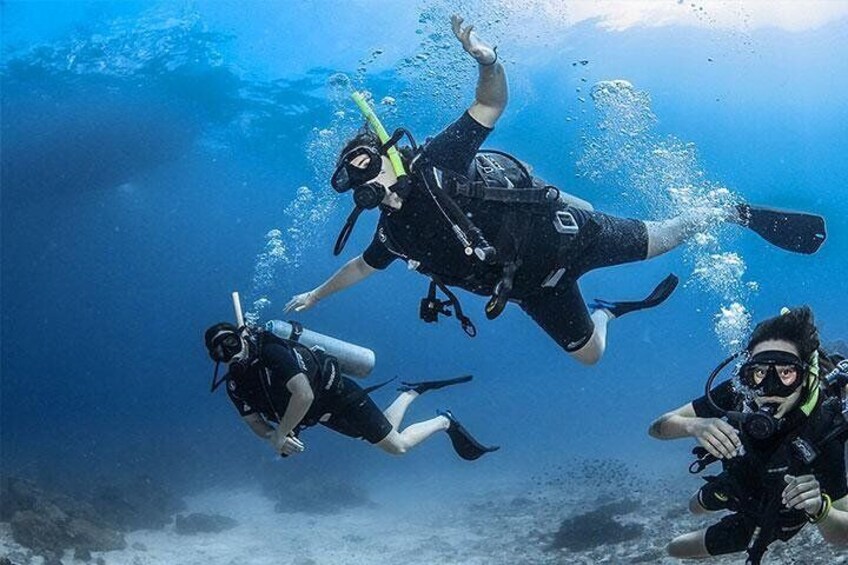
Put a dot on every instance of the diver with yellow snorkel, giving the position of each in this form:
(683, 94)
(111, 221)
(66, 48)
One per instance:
(479, 220)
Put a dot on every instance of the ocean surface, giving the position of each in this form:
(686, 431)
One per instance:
(157, 156)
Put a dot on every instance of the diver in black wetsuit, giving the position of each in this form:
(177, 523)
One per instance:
(779, 430)
(281, 387)
(482, 222)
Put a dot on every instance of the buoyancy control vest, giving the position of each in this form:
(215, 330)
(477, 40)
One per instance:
(500, 205)
(752, 483)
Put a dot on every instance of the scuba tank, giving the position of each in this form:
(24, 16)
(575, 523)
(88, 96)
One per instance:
(353, 359)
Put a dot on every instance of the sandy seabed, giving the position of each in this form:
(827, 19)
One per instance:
(511, 524)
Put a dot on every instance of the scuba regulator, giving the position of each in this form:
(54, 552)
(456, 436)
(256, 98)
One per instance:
(764, 375)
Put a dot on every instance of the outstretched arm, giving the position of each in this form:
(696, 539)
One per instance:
(717, 436)
(351, 273)
(492, 92)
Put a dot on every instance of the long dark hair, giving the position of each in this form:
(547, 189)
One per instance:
(367, 136)
(796, 325)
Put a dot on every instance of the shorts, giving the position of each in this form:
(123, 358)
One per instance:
(733, 533)
(561, 310)
(354, 414)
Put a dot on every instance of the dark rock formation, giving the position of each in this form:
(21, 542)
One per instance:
(140, 504)
(203, 523)
(50, 523)
(597, 528)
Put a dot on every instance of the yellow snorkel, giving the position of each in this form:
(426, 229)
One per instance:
(401, 185)
(382, 134)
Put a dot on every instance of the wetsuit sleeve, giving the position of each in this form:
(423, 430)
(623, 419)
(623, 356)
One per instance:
(456, 145)
(723, 396)
(244, 407)
(283, 362)
(829, 469)
(377, 255)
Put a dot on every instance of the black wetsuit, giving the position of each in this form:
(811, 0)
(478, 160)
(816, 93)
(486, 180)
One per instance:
(750, 480)
(340, 403)
(418, 232)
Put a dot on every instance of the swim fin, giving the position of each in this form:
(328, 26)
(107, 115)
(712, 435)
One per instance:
(657, 297)
(794, 231)
(463, 442)
(423, 386)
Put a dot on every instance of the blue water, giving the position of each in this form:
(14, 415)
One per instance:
(147, 150)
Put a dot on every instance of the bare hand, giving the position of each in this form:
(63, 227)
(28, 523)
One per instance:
(482, 53)
(301, 302)
(803, 493)
(718, 437)
(286, 445)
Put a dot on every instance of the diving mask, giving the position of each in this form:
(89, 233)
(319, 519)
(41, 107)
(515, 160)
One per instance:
(773, 373)
(225, 346)
(357, 167)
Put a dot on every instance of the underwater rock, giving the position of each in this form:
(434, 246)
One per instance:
(15, 495)
(197, 523)
(38, 532)
(49, 524)
(597, 528)
(140, 504)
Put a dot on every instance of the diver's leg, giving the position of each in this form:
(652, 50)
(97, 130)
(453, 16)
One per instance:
(398, 443)
(594, 349)
(396, 411)
(665, 235)
(689, 546)
(731, 534)
(695, 505)
(562, 313)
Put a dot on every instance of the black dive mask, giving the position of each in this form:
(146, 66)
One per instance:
(773, 373)
(760, 424)
(225, 346)
(367, 193)
(222, 349)
(348, 176)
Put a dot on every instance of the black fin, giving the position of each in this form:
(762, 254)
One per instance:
(794, 231)
(463, 442)
(423, 386)
(659, 295)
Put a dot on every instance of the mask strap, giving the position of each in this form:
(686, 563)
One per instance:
(215, 382)
(344, 235)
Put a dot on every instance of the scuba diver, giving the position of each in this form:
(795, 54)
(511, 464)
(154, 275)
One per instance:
(479, 220)
(281, 387)
(779, 430)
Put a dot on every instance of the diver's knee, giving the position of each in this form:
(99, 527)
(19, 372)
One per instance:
(393, 444)
(695, 506)
(592, 351)
(588, 355)
(688, 546)
(678, 548)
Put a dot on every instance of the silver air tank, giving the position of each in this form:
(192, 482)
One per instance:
(354, 360)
